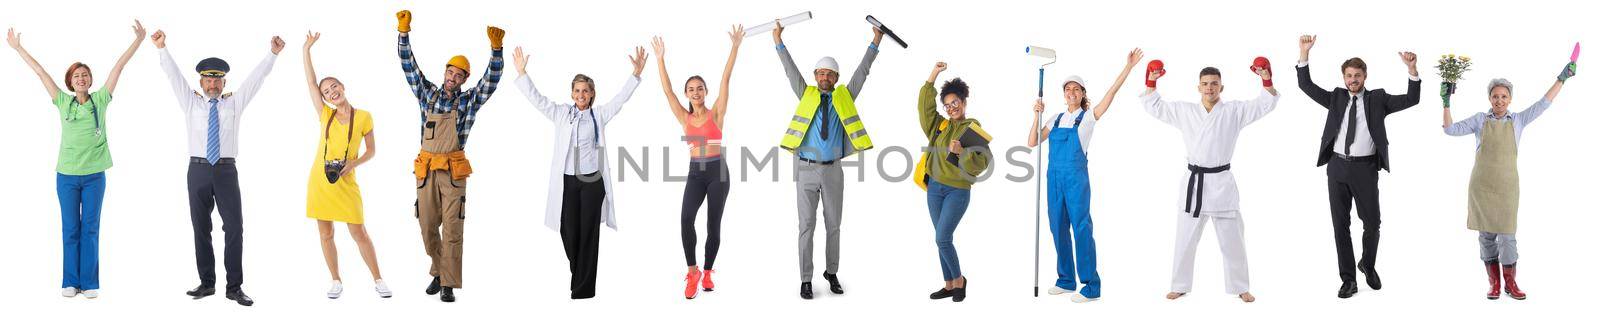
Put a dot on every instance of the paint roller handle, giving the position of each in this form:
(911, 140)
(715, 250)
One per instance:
(885, 30)
(770, 26)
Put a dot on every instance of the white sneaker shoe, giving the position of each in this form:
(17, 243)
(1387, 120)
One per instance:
(1055, 290)
(383, 289)
(91, 294)
(336, 290)
(69, 292)
(1078, 298)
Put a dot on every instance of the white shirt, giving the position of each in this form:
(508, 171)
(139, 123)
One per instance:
(583, 140)
(1363, 145)
(197, 108)
(1209, 139)
(1085, 128)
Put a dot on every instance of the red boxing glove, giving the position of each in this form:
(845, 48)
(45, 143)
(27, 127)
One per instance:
(1261, 63)
(1155, 66)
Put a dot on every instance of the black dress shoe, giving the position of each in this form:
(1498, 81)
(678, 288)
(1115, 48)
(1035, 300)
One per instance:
(201, 292)
(941, 294)
(833, 283)
(240, 297)
(433, 288)
(1372, 278)
(1347, 289)
(805, 290)
(447, 294)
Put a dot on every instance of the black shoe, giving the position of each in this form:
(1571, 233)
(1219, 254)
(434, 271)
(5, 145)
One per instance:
(1372, 278)
(201, 291)
(239, 296)
(805, 290)
(833, 283)
(941, 294)
(433, 288)
(959, 293)
(1347, 289)
(447, 294)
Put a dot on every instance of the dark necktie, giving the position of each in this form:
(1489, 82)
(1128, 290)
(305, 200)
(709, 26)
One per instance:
(1350, 128)
(827, 120)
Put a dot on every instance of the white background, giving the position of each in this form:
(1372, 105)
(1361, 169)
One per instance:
(515, 265)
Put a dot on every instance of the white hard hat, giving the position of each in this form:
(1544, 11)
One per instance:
(828, 63)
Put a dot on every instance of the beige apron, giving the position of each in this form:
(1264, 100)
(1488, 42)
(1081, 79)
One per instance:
(1493, 193)
(441, 200)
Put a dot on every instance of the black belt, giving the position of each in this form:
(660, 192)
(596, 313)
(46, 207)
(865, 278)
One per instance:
(220, 161)
(1197, 187)
(829, 162)
(1366, 158)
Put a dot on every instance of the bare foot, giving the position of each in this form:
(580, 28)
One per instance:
(1174, 295)
(1247, 297)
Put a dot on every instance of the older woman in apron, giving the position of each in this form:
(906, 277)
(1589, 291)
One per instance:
(81, 163)
(1493, 192)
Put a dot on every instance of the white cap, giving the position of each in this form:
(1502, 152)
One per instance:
(1074, 78)
(828, 63)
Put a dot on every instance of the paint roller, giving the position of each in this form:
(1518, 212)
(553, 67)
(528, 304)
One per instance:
(876, 24)
(1042, 57)
(787, 21)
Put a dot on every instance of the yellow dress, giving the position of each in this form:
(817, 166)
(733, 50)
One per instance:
(339, 201)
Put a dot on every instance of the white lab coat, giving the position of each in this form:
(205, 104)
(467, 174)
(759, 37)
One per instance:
(559, 114)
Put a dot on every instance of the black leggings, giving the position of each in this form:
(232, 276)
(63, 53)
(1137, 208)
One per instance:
(708, 180)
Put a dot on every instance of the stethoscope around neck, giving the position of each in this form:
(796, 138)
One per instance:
(94, 111)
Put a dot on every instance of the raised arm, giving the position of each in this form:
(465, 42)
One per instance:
(116, 70)
(1162, 110)
(614, 106)
(737, 37)
(525, 84)
(311, 73)
(797, 82)
(1302, 72)
(673, 104)
(180, 87)
(252, 84)
(928, 101)
(420, 86)
(1413, 94)
(490, 81)
(1570, 70)
(859, 78)
(1111, 93)
(1464, 127)
(15, 40)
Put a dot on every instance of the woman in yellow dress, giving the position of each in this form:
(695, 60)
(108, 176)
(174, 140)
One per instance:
(332, 194)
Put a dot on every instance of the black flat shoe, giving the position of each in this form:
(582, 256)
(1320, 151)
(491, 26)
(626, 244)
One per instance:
(201, 292)
(805, 290)
(941, 294)
(433, 288)
(447, 294)
(240, 297)
(959, 294)
(1347, 289)
(833, 283)
(1372, 278)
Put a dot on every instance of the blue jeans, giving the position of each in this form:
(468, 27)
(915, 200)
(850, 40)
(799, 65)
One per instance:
(80, 229)
(946, 205)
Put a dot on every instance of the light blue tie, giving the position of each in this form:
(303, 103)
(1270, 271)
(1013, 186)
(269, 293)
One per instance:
(213, 135)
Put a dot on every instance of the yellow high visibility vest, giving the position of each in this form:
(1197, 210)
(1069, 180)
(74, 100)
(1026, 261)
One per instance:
(843, 105)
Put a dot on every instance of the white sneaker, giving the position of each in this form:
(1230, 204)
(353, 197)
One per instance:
(1056, 290)
(1078, 298)
(91, 294)
(383, 289)
(69, 292)
(336, 290)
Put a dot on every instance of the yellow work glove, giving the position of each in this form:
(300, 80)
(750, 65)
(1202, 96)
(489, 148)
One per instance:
(405, 20)
(496, 35)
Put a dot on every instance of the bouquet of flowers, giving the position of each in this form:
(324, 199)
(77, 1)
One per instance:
(1451, 68)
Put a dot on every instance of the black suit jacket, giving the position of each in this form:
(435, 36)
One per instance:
(1379, 105)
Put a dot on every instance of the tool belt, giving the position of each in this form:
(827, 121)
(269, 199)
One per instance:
(455, 162)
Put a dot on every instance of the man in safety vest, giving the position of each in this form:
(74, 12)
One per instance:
(824, 129)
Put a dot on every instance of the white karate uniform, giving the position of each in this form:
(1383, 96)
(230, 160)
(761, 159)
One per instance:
(1210, 139)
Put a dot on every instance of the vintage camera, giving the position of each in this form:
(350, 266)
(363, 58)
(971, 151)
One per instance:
(332, 169)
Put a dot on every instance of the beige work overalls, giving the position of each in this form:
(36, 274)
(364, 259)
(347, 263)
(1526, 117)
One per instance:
(441, 197)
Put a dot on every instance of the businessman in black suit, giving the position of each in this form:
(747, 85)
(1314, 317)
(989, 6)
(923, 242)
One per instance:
(1355, 145)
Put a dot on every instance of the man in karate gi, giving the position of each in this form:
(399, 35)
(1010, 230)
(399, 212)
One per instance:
(1210, 132)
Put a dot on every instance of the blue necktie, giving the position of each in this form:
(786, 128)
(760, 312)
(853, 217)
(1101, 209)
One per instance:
(213, 135)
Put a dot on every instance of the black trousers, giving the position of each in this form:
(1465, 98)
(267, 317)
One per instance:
(216, 186)
(1354, 179)
(708, 181)
(581, 200)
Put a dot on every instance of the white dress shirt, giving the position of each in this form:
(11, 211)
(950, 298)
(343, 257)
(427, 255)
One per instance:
(1209, 139)
(197, 107)
(1363, 145)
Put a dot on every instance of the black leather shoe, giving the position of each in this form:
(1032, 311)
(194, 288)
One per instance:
(433, 288)
(1347, 289)
(959, 293)
(447, 294)
(805, 290)
(201, 292)
(239, 296)
(941, 294)
(833, 283)
(1372, 278)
